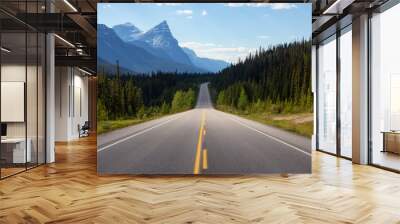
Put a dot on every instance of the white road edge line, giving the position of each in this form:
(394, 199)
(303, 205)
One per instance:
(270, 136)
(137, 133)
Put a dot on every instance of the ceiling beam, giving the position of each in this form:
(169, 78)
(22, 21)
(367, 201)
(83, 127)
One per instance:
(78, 61)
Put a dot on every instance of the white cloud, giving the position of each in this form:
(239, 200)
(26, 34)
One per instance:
(216, 51)
(262, 36)
(281, 6)
(185, 12)
(192, 44)
(204, 13)
(169, 4)
(235, 4)
(105, 6)
(274, 6)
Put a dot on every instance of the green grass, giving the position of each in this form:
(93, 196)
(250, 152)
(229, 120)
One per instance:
(305, 129)
(110, 125)
(287, 122)
(284, 121)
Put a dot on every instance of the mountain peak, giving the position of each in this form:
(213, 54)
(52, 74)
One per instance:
(162, 27)
(127, 31)
(159, 36)
(164, 23)
(127, 25)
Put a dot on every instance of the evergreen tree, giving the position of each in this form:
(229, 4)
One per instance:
(279, 78)
(164, 108)
(141, 113)
(221, 98)
(190, 99)
(243, 101)
(177, 102)
(101, 111)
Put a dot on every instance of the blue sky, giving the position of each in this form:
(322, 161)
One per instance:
(219, 31)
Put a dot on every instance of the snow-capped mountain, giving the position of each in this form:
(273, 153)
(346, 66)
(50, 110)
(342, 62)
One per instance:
(127, 31)
(131, 57)
(161, 38)
(154, 50)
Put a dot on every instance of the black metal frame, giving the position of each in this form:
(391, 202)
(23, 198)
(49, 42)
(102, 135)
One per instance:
(338, 98)
(316, 96)
(0, 89)
(369, 104)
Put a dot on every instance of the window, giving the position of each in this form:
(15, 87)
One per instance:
(346, 92)
(327, 95)
(385, 89)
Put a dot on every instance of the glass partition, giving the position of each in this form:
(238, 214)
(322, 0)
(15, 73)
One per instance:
(22, 77)
(346, 92)
(385, 89)
(327, 95)
(14, 153)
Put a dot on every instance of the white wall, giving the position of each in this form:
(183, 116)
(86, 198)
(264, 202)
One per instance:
(14, 73)
(62, 82)
(33, 126)
(71, 87)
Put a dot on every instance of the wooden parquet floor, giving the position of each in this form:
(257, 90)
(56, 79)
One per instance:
(70, 191)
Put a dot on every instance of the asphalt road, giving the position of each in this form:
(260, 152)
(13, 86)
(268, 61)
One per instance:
(202, 141)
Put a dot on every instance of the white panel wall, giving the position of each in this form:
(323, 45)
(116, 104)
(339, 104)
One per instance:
(14, 73)
(71, 102)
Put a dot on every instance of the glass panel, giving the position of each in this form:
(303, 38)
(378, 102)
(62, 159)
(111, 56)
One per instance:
(346, 93)
(327, 95)
(31, 98)
(41, 98)
(23, 90)
(385, 84)
(13, 87)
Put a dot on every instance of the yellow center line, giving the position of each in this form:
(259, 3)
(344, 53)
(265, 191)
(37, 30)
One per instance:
(205, 163)
(196, 168)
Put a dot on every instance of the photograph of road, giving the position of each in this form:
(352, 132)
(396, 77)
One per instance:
(203, 141)
(179, 107)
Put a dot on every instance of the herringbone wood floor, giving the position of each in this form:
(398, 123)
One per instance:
(70, 191)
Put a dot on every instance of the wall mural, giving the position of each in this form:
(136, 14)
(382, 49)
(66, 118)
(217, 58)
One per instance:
(186, 88)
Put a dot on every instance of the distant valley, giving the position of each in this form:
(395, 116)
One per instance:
(156, 50)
